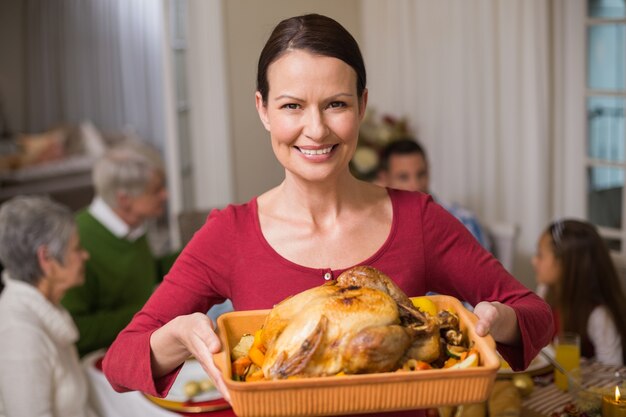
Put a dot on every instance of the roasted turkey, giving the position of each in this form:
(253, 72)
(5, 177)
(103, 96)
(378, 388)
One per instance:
(360, 323)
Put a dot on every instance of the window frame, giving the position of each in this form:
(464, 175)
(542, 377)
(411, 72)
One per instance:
(589, 162)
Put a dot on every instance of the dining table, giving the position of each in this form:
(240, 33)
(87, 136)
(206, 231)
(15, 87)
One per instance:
(110, 403)
(546, 398)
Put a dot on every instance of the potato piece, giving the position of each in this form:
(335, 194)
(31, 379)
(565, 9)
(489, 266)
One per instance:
(243, 347)
(191, 389)
(206, 385)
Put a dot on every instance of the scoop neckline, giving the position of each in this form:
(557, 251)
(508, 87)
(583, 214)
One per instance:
(368, 261)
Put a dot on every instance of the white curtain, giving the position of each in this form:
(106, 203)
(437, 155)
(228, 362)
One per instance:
(472, 77)
(569, 109)
(96, 60)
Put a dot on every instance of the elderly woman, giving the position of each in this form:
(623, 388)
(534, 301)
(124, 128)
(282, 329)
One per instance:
(42, 256)
(121, 272)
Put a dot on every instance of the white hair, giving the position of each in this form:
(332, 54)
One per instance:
(126, 168)
(26, 224)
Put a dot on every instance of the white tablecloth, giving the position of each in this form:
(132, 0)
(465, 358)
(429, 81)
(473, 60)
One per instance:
(109, 403)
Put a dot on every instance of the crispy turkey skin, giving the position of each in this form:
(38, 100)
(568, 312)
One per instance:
(360, 323)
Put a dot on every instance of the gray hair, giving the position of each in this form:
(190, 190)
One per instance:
(126, 168)
(26, 224)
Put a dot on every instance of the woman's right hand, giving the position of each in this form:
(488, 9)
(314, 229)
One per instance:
(183, 336)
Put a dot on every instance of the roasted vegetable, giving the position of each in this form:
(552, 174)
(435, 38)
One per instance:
(242, 348)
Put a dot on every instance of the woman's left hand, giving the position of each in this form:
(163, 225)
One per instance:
(499, 320)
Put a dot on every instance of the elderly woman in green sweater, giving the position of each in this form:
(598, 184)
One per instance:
(122, 272)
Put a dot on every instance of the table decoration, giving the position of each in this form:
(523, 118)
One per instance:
(375, 133)
(614, 405)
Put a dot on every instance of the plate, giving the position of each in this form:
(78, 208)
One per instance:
(177, 400)
(191, 372)
(538, 366)
(190, 407)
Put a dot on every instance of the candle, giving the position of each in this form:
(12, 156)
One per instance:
(613, 406)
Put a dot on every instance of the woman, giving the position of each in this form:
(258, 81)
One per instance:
(317, 223)
(42, 256)
(575, 270)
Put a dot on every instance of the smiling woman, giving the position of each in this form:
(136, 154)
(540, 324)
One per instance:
(313, 131)
(317, 223)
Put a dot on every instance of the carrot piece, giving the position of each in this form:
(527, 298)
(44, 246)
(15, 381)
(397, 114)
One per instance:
(240, 366)
(421, 365)
(255, 376)
(256, 356)
(450, 362)
(415, 365)
(258, 343)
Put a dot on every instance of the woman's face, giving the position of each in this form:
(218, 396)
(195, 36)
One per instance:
(71, 272)
(547, 265)
(312, 113)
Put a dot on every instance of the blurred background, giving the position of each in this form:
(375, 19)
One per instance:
(520, 103)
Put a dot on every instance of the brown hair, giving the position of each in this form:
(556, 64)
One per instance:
(403, 146)
(316, 34)
(589, 278)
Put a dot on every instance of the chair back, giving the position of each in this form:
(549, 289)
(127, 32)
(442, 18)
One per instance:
(190, 221)
(504, 240)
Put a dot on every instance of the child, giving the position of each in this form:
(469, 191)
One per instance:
(574, 267)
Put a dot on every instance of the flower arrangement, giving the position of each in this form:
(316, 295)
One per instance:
(375, 133)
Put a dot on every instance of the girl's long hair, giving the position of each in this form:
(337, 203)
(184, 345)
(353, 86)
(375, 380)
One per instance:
(589, 278)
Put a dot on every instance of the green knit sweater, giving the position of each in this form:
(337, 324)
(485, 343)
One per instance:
(120, 276)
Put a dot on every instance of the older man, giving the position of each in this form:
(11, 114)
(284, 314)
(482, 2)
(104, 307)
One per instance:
(122, 272)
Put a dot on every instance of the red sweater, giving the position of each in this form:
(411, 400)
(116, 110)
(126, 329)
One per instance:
(426, 250)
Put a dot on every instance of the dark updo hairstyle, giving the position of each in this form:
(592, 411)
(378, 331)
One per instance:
(317, 34)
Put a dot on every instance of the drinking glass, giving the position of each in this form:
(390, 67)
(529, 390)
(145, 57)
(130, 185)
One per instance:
(567, 354)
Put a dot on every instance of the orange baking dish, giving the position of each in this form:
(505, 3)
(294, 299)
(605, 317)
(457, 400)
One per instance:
(354, 394)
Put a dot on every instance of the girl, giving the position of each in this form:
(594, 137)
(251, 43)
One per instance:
(579, 280)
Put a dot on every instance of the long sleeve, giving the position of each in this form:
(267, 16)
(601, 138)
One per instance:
(26, 374)
(605, 338)
(457, 265)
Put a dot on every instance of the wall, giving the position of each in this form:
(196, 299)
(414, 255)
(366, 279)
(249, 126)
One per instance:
(248, 25)
(12, 63)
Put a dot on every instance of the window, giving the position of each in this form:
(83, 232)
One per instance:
(605, 103)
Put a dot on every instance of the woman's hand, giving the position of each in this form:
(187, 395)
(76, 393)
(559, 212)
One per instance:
(498, 319)
(183, 336)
